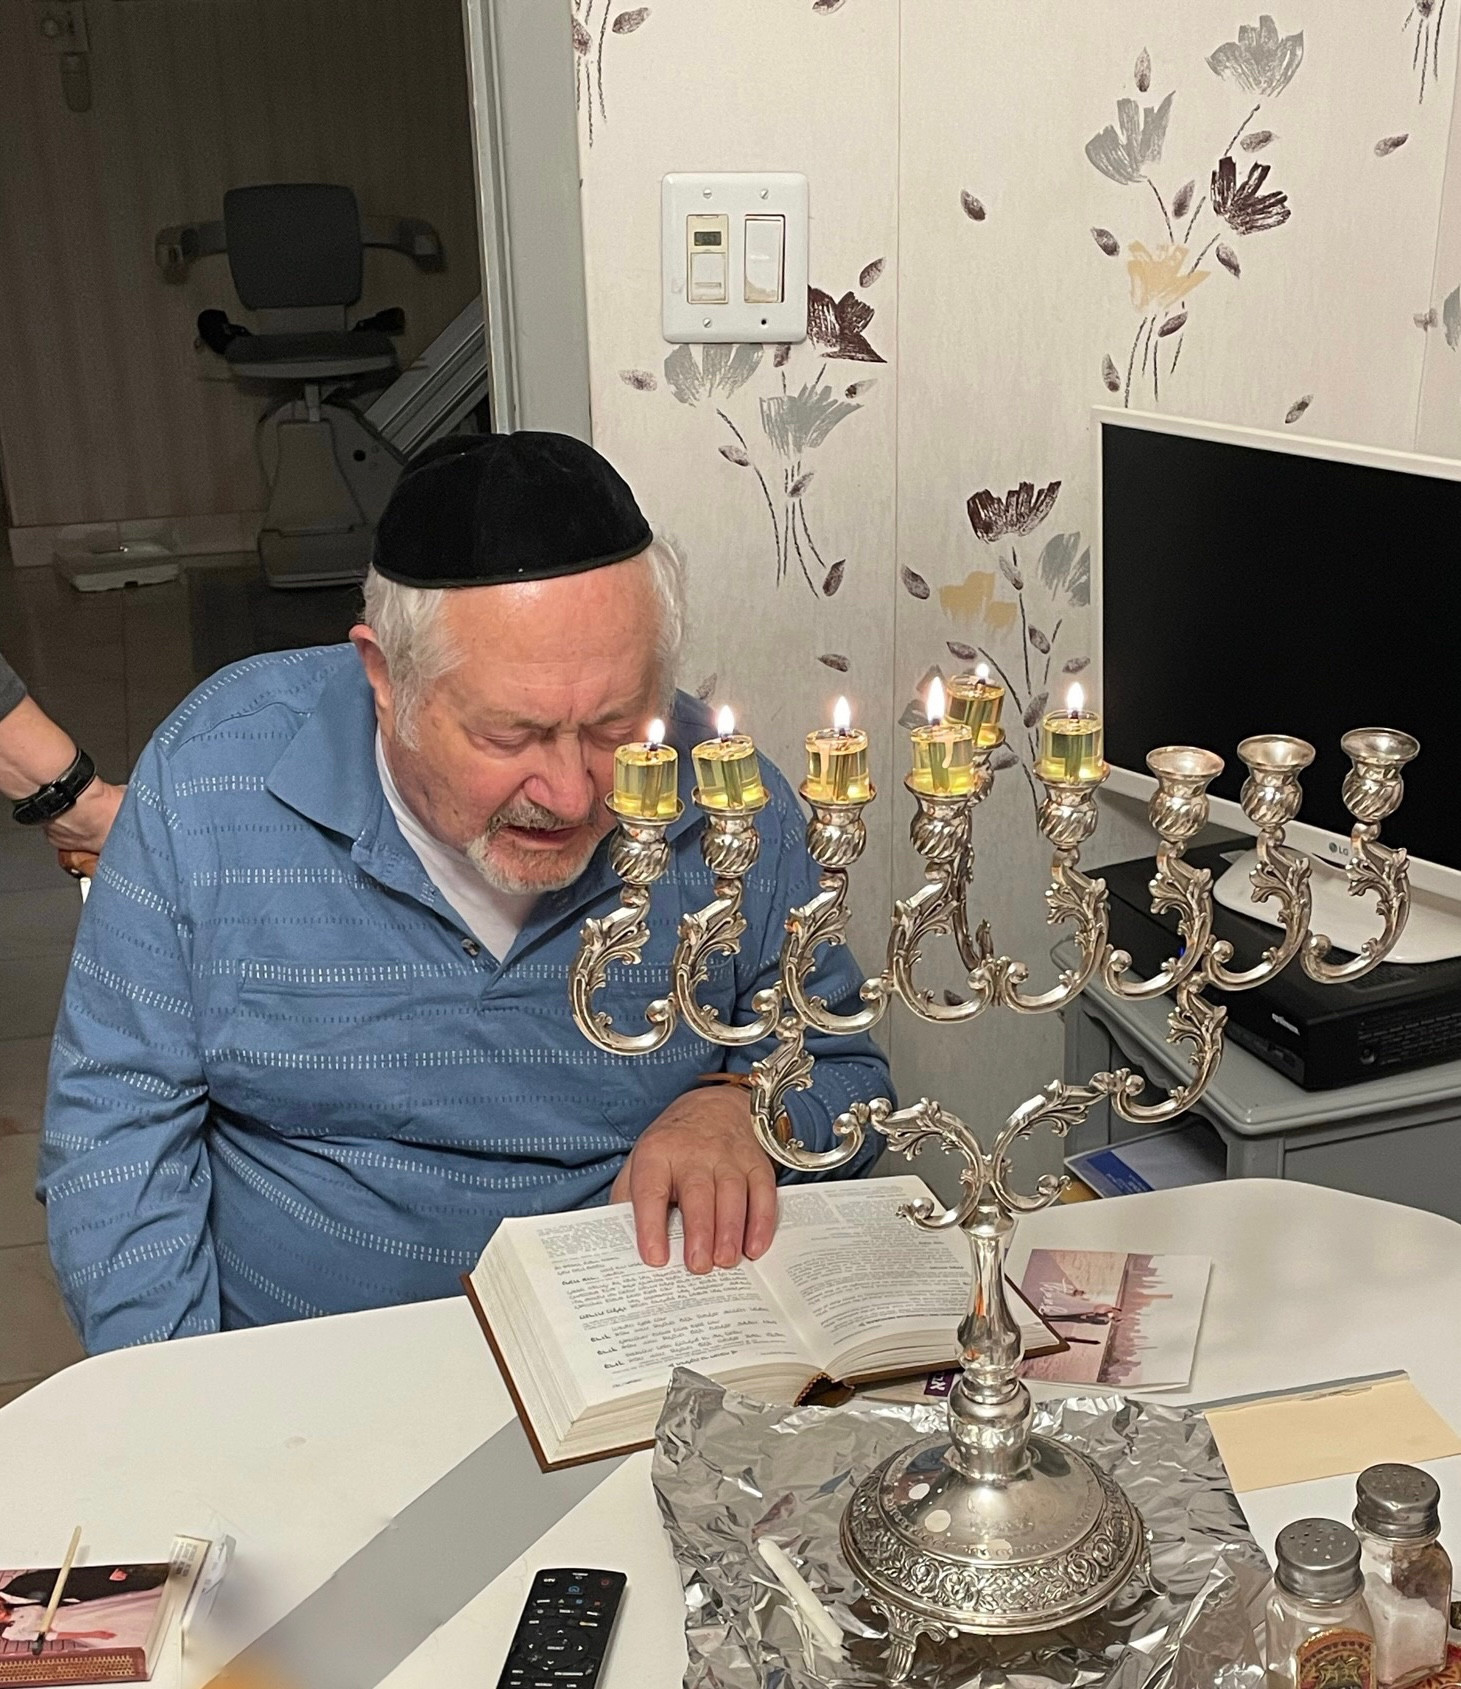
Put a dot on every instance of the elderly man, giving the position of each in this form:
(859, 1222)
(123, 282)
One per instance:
(316, 1041)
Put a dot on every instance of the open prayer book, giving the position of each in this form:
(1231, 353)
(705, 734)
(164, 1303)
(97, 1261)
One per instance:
(587, 1335)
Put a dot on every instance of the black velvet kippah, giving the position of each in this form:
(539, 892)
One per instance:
(484, 509)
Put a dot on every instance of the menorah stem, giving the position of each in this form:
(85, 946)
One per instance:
(989, 1408)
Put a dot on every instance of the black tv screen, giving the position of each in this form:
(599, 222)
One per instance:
(1247, 590)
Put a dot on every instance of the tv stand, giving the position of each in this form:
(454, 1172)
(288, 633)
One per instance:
(1432, 934)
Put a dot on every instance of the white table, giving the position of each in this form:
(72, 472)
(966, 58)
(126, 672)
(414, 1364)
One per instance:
(303, 1441)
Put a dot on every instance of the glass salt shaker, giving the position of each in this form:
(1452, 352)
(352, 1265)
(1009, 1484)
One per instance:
(1407, 1572)
(1319, 1630)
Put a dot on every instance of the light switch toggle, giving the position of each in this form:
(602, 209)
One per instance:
(765, 248)
(707, 240)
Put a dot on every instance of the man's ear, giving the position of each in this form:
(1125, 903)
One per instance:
(373, 660)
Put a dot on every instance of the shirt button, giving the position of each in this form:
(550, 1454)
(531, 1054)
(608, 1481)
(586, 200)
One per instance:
(471, 947)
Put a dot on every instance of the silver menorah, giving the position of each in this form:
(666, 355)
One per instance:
(985, 1528)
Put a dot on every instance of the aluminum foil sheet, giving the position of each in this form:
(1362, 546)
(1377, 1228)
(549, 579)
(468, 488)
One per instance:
(728, 1471)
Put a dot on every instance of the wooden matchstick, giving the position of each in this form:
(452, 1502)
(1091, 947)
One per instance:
(38, 1645)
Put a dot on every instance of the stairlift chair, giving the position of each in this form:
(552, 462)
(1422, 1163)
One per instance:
(295, 251)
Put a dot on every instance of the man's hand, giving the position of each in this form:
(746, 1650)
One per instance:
(701, 1155)
(86, 824)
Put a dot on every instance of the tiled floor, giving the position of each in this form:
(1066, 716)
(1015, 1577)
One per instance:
(109, 667)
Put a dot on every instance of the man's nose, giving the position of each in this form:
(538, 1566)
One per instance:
(562, 781)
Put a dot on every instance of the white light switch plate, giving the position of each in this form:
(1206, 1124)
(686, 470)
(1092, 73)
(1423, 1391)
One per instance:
(686, 202)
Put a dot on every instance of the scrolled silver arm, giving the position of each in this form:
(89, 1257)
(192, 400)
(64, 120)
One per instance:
(1373, 789)
(789, 1068)
(1068, 817)
(1178, 810)
(940, 832)
(730, 845)
(836, 837)
(639, 856)
(1193, 1020)
(1271, 797)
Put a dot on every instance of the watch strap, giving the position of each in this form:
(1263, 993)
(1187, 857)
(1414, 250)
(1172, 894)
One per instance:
(56, 797)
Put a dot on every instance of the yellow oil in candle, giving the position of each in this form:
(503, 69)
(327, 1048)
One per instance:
(837, 766)
(646, 778)
(943, 759)
(976, 703)
(728, 774)
(1072, 747)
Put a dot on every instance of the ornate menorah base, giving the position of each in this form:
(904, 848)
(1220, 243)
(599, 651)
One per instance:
(944, 1554)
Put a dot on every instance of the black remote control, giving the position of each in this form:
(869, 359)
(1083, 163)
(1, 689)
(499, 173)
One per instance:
(563, 1634)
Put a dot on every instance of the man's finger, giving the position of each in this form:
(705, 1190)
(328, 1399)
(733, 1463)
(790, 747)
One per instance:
(696, 1196)
(760, 1210)
(730, 1216)
(649, 1186)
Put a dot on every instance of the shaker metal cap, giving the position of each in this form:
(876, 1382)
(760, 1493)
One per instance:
(1318, 1560)
(1397, 1502)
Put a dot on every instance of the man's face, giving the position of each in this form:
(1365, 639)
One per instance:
(512, 750)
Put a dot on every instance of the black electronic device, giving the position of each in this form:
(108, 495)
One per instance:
(562, 1637)
(1319, 1036)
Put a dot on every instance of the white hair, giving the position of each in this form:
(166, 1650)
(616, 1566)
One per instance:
(408, 624)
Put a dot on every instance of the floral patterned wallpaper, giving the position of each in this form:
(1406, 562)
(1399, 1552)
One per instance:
(1019, 211)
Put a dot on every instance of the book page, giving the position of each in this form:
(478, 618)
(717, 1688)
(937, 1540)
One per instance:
(848, 1267)
(623, 1325)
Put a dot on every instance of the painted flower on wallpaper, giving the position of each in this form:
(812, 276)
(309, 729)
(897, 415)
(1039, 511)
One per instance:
(794, 422)
(719, 369)
(1158, 280)
(593, 23)
(1427, 16)
(1035, 615)
(836, 326)
(1123, 153)
(1019, 512)
(1163, 273)
(1261, 60)
(1247, 210)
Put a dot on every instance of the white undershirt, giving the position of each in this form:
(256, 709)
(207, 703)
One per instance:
(496, 917)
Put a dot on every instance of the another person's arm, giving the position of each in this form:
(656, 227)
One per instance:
(124, 1162)
(701, 1154)
(33, 752)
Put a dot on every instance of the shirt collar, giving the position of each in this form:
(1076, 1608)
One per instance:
(327, 772)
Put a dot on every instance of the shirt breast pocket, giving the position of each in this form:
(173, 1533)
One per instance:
(319, 1059)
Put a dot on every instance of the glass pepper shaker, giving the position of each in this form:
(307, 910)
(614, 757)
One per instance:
(1407, 1573)
(1320, 1635)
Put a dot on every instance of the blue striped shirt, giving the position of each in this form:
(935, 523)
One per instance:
(287, 1082)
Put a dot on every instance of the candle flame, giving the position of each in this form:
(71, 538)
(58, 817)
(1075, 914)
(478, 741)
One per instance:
(935, 706)
(842, 715)
(1075, 699)
(725, 722)
(981, 673)
(656, 733)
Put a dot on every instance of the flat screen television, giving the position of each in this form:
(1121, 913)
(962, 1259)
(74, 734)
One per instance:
(1248, 582)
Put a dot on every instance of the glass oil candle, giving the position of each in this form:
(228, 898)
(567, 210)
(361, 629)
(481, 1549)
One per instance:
(1072, 743)
(837, 761)
(943, 759)
(1407, 1573)
(976, 701)
(943, 752)
(1319, 1631)
(727, 770)
(646, 778)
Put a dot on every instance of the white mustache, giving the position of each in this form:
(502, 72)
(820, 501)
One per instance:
(534, 816)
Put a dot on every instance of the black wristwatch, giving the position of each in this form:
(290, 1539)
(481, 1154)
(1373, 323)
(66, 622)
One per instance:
(59, 796)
